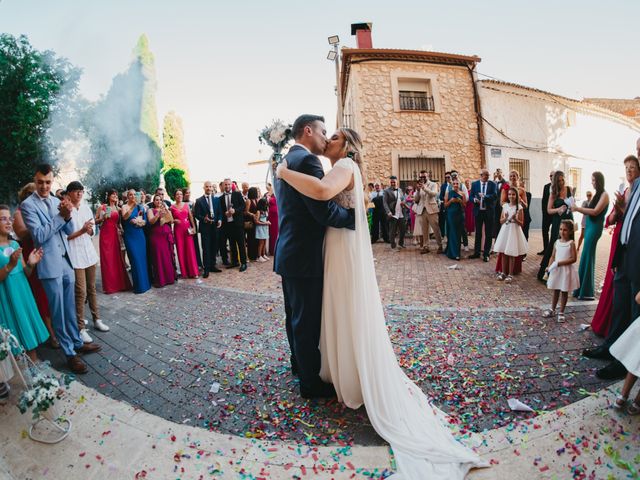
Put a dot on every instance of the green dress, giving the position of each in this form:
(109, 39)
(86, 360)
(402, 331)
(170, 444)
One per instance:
(18, 310)
(586, 270)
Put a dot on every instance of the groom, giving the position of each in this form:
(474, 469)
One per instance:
(298, 256)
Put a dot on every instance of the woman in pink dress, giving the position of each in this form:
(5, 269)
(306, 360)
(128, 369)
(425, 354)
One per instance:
(114, 274)
(161, 244)
(602, 317)
(183, 230)
(272, 217)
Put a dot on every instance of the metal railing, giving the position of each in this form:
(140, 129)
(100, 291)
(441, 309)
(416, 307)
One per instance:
(416, 101)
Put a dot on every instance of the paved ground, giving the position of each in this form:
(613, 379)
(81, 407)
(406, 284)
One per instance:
(214, 354)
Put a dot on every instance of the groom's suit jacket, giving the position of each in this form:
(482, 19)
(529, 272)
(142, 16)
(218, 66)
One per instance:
(302, 221)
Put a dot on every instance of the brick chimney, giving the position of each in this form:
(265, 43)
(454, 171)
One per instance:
(362, 31)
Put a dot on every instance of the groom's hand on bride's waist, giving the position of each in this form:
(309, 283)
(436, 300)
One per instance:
(352, 215)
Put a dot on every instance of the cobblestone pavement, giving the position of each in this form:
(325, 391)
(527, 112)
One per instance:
(214, 354)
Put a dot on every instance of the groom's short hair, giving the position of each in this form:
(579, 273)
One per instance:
(302, 121)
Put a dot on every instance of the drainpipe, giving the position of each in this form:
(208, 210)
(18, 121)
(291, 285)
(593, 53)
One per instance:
(476, 104)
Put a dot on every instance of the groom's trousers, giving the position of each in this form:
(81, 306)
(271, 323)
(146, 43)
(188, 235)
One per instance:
(303, 309)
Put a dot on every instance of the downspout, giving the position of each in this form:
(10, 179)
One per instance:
(477, 106)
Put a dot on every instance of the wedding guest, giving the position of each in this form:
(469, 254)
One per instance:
(500, 182)
(160, 192)
(625, 350)
(232, 207)
(583, 222)
(557, 207)
(223, 241)
(595, 214)
(469, 218)
(442, 218)
(262, 229)
(18, 309)
(562, 275)
(245, 190)
(602, 317)
(410, 215)
(455, 203)
(380, 226)
(184, 229)
(207, 212)
(510, 242)
(546, 218)
(134, 218)
(272, 217)
(394, 206)
(49, 222)
(196, 244)
(484, 194)
(24, 237)
(527, 212)
(463, 232)
(250, 210)
(113, 269)
(161, 243)
(427, 211)
(514, 182)
(84, 260)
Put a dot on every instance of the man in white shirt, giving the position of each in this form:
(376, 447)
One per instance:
(84, 259)
(394, 206)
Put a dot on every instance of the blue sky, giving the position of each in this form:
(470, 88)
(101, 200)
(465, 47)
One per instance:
(228, 68)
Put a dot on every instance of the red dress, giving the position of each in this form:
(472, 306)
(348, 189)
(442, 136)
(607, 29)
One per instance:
(184, 242)
(34, 282)
(272, 216)
(112, 269)
(602, 317)
(469, 219)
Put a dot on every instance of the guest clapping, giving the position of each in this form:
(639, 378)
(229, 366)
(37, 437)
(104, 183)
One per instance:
(161, 243)
(184, 229)
(134, 218)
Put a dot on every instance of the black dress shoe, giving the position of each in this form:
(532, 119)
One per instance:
(318, 390)
(233, 265)
(485, 258)
(205, 275)
(540, 253)
(475, 255)
(243, 267)
(600, 353)
(216, 270)
(614, 371)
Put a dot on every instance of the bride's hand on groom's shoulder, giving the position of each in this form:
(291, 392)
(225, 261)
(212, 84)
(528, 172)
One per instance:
(281, 167)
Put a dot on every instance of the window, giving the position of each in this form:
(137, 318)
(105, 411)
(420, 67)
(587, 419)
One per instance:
(415, 92)
(575, 181)
(521, 166)
(410, 167)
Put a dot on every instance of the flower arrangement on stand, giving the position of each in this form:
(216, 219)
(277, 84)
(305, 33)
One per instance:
(276, 135)
(6, 357)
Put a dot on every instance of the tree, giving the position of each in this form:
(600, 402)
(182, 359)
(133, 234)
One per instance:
(33, 86)
(173, 152)
(125, 152)
(175, 178)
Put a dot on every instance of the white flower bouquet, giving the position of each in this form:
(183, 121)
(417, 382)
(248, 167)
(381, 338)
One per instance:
(276, 135)
(45, 390)
(5, 345)
(139, 222)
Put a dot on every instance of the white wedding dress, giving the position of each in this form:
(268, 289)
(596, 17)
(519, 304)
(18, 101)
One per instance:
(358, 358)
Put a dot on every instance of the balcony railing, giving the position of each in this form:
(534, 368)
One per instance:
(416, 101)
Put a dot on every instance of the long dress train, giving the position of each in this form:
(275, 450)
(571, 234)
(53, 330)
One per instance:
(358, 358)
(112, 269)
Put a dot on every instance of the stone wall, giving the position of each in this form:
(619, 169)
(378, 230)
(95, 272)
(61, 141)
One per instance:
(451, 132)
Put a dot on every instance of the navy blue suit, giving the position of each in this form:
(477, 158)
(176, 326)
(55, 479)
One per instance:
(484, 217)
(298, 259)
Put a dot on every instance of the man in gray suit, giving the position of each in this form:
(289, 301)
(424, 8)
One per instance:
(49, 222)
(394, 207)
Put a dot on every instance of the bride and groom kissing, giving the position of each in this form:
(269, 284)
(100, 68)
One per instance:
(334, 315)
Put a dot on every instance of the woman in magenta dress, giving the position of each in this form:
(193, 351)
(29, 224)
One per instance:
(183, 230)
(112, 270)
(514, 181)
(161, 244)
(272, 217)
(602, 317)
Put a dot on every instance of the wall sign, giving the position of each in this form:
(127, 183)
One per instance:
(496, 152)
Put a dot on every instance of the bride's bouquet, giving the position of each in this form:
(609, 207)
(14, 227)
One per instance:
(276, 135)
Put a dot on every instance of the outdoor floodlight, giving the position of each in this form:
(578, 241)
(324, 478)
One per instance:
(332, 55)
(333, 39)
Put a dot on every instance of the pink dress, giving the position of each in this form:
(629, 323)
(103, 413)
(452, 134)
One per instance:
(184, 242)
(161, 251)
(273, 228)
(112, 269)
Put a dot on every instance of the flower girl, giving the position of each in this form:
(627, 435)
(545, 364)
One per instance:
(511, 241)
(562, 273)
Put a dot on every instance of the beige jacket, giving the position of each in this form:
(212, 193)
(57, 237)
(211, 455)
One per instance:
(426, 199)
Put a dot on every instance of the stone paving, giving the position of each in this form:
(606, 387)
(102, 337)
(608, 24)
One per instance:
(213, 354)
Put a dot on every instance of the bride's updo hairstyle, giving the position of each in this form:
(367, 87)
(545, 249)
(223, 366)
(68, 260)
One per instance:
(353, 146)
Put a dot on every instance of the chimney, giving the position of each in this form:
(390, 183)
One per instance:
(362, 31)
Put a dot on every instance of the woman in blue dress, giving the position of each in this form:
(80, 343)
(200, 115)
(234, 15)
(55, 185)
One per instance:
(455, 203)
(18, 309)
(595, 213)
(134, 218)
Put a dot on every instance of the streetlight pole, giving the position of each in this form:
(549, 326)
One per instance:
(335, 56)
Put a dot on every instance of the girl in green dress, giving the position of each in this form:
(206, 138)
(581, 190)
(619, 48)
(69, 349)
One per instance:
(18, 310)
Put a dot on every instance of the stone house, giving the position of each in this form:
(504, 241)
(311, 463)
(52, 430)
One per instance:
(414, 109)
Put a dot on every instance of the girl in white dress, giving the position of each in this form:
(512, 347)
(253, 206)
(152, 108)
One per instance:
(511, 241)
(562, 274)
(357, 355)
(627, 351)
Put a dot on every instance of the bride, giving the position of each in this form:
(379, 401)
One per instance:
(357, 355)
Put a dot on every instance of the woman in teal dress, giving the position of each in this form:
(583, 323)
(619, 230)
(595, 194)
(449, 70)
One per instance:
(18, 309)
(595, 213)
(454, 202)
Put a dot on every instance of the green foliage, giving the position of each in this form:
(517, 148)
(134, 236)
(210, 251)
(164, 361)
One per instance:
(175, 178)
(173, 153)
(149, 114)
(33, 86)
